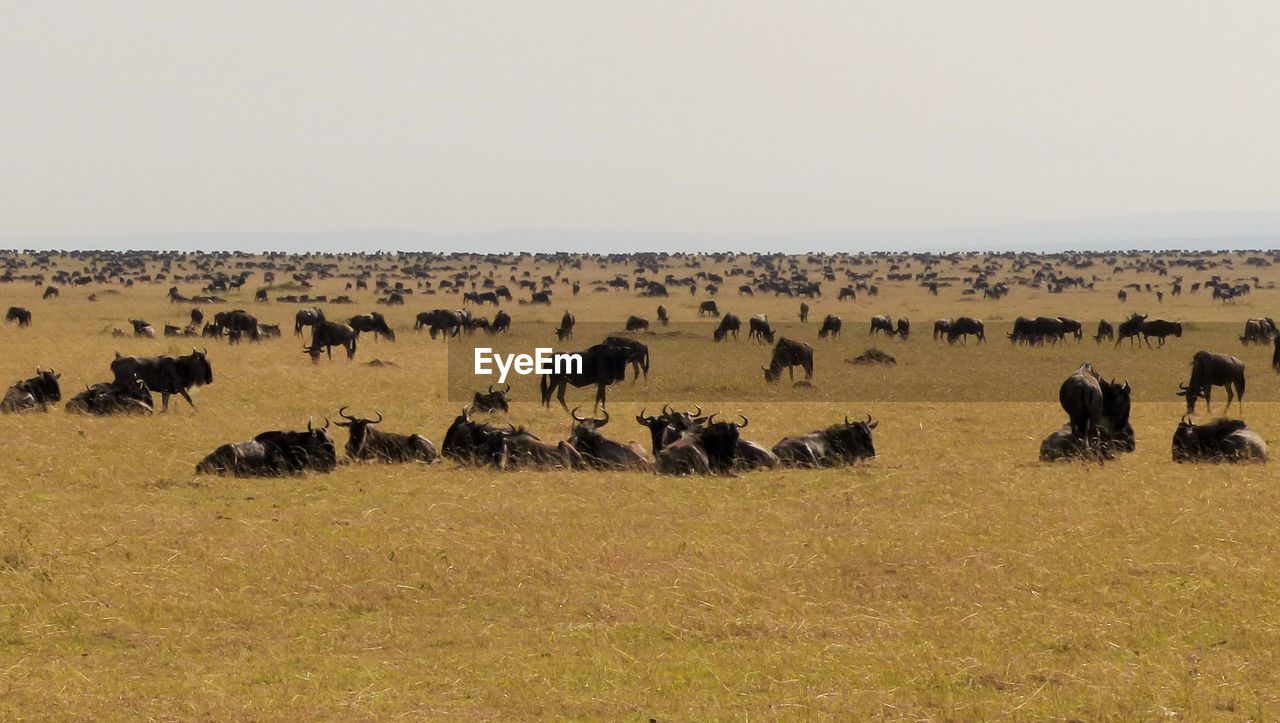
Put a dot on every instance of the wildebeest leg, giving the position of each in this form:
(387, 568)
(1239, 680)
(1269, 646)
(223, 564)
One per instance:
(599, 397)
(560, 390)
(164, 401)
(185, 396)
(1147, 339)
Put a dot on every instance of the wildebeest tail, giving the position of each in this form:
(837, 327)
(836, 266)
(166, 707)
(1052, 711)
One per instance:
(544, 386)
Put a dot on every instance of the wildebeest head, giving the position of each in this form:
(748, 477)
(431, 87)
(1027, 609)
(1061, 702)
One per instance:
(852, 440)
(668, 426)
(1197, 442)
(495, 400)
(467, 440)
(720, 440)
(45, 384)
(197, 366)
(359, 429)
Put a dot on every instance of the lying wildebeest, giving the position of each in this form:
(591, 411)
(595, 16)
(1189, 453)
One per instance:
(130, 397)
(602, 365)
(494, 400)
(1259, 331)
(373, 322)
(467, 441)
(517, 448)
(830, 327)
(171, 330)
(306, 317)
(668, 426)
(325, 335)
(1222, 440)
(1130, 329)
(211, 331)
(708, 308)
(1210, 370)
(881, 322)
(1111, 427)
(839, 444)
(965, 326)
(600, 452)
(1105, 331)
(567, 322)
(636, 354)
(38, 392)
(729, 324)
(268, 331)
(704, 450)
(165, 374)
(760, 329)
(636, 323)
(274, 454)
(1159, 328)
(789, 354)
(20, 315)
(367, 443)
(142, 329)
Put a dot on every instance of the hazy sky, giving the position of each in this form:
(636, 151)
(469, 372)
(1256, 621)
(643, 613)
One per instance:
(216, 117)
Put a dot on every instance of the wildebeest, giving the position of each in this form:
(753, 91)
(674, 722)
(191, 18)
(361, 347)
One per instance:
(830, 327)
(239, 322)
(1109, 430)
(1130, 329)
(704, 450)
(729, 324)
(50, 292)
(881, 322)
(760, 329)
(142, 329)
(904, 328)
(636, 354)
(804, 313)
(18, 314)
(501, 323)
(266, 331)
(1222, 440)
(166, 375)
(941, 327)
(662, 315)
(963, 327)
(1259, 331)
(708, 308)
(668, 426)
(541, 297)
(129, 397)
(442, 321)
(1105, 331)
(306, 317)
(565, 331)
(197, 316)
(327, 334)
(38, 392)
(211, 331)
(1071, 326)
(636, 323)
(367, 443)
(1159, 328)
(602, 365)
(373, 322)
(494, 400)
(789, 354)
(171, 330)
(847, 292)
(517, 448)
(1081, 398)
(274, 454)
(600, 452)
(467, 441)
(837, 445)
(1210, 370)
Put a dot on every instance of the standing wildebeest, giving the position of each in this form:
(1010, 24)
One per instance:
(636, 354)
(442, 321)
(142, 329)
(1222, 440)
(789, 354)
(904, 328)
(38, 392)
(541, 297)
(830, 327)
(1071, 326)
(1114, 432)
(1081, 398)
(238, 322)
(746, 289)
(274, 454)
(50, 292)
(1159, 328)
(602, 365)
(882, 322)
(306, 317)
(708, 308)
(131, 397)
(367, 443)
(375, 323)
(729, 324)
(839, 444)
(600, 452)
(1105, 331)
(941, 327)
(567, 322)
(1259, 331)
(636, 323)
(1213, 370)
(963, 327)
(165, 374)
(325, 335)
(804, 313)
(760, 329)
(1130, 329)
(20, 315)
(494, 400)
(662, 315)
(260, 296)
(847, 292)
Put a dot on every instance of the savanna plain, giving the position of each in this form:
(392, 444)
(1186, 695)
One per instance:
(954, 576)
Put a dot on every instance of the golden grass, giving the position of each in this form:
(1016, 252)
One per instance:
(953, 577)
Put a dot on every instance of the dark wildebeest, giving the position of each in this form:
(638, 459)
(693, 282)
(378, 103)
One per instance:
(442, 321)
(274, 454)
(746, 290)
(965, 326)
(260, 296)
(704, 450)
(636, 323)
(837, 445)
(1081, 398)
(517, 448)
(165, 374)
(1114, 432)
(1130, 329)
(20, 315)
(50, 292)
(847, 292)
(668, 426)
(636, 354)
(1275, 355)
(602, 365)
(1213, 370)
(197, 316)
(789, 354)
(729, 324)
(541, 297)
(1259, 331)
(1222, 440)
(941, 327)
(600, 452)
(662, 315)
(467, 441)
(238, 322)
(708, 308)
(1159, 328)
(1105, 331)
(567, 322)
(211, 331)
(325, 335)
(501, 323)
(830, 327)
(131, 397)
(142, 329)
(882, 322)
(494, 400)
(373, 322)
(760, 329)
(367, 443)
(38, 392)
(306, 317)
(904, 328)
(804, 313)
(1071, 326)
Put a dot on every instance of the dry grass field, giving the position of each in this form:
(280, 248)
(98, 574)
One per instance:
(954, 577)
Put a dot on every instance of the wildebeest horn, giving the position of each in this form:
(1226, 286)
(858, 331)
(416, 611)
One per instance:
(379, 417)
(575, 416)
(868, 419)
(846, 420)
(343, 413)
(326, 423)
(712, 419)
(491, 389)
(699, 408)
(309, 421)
(745, 421)
(666, 409)
(507, 390)
(602, 422)
(466, 411)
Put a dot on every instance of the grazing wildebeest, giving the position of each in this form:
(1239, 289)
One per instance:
(636, 323)
(602, 365)
(50, 292)
(1159, 328)
(1105, 331)
(600, 452)
(131, 397)
(38, 392)
(704, 450)
(746, 290)
(965, 326)
(325, 335)
(165, 374)
(306, 317)
(442, 321)
(501, 323)
(881, 322)
(373, 322)
(904, 328)
(238, 322)
(804, 313)
(837, 445)
(729, 324)
(367, 443)
(708, 308)
(1071, 326)
(1210, 370)
(941, 327)
(494, 400)
(274, 454)
(830, 327)
(1259, 331)
(1222, 440)
(789, 354)
(20, 315)
(541, 297)
(847, 292)
(760, 329)
(1130, 329)
(565, 331)
(662, 315)
(142, 329)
